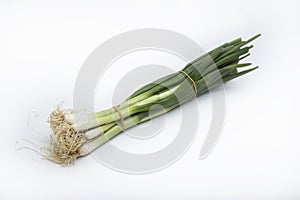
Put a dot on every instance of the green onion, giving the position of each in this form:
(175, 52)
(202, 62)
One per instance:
(72, 139)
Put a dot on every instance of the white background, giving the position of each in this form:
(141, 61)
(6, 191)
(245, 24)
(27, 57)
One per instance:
(44, 43)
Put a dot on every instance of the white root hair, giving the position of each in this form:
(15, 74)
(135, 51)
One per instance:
(66, 141)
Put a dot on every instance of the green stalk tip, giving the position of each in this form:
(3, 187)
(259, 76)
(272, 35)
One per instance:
(253, 38)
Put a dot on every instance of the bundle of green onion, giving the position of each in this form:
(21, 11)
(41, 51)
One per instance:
(73, 139)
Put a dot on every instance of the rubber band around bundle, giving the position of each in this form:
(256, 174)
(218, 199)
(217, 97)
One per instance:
(121, 117)
(194, 83)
